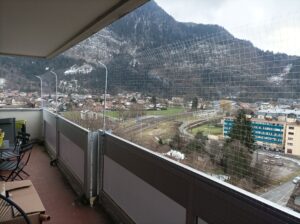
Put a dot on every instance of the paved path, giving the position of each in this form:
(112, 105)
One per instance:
(183, 129)
(280, 194)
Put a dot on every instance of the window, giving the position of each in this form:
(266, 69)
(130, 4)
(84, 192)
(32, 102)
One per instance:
(291, 128)
(291, 133)
(291, 144)
(289, 138)
(289, 151)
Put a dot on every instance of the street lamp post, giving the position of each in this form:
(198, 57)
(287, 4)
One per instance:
(42, 102)
(52, 72)
(105, 92)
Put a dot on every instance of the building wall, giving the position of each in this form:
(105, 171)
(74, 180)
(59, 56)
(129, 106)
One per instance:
(292, 145)
(270, 133)
(33, 118)
(274, 134)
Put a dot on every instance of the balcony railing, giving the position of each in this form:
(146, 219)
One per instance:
(74, 149)
(137, 185)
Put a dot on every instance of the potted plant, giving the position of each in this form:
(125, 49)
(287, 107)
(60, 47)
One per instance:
(1, 137)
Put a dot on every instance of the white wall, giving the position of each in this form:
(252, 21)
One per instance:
(50, 136)
(33, 117)
(72, 157)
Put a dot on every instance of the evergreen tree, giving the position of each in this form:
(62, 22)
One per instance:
(241, 130)
(195, 103)
(153, 100)
(236, 159)
(133, 100)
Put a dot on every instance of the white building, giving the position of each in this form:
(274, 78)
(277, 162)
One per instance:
(86, 114)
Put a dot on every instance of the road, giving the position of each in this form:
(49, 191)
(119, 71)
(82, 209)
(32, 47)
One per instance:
(147, 122)
(281, 194)
(297, 161)
(185, 126)
(183, 129)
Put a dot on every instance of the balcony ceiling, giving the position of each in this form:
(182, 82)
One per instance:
(45, 28)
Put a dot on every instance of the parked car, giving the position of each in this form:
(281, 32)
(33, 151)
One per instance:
(279, 163)
(266, 160)
(272, 161)
(277, 157)
(296, 180)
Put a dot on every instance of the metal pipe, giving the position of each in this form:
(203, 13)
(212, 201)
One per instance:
(101, 139)
(52, 72)
(105, 92)
(42, 102)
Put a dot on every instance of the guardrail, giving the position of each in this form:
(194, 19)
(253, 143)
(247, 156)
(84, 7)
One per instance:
(140, 186)
(74, 149)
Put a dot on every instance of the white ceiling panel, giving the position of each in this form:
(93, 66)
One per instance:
(45, 28)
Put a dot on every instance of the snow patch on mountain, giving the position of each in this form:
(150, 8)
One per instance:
(279, 78)
(83, 69)
(2, 82)
(102, 46)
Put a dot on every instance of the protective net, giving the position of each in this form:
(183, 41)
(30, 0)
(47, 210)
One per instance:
(213, 102)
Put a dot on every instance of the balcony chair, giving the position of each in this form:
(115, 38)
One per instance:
(9, 209)
(15, 166)
(25, 153)
(10, 163)
(24, 137)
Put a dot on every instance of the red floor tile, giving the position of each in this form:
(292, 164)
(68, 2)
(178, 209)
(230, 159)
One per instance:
(60, 201)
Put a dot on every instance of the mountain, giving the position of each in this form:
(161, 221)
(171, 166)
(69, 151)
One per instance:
(149, 51)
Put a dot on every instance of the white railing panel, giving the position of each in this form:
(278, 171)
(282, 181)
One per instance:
(142, 202)
(50, 136)
(72, 156)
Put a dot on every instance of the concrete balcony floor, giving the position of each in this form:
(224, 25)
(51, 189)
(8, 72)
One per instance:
(60, 201)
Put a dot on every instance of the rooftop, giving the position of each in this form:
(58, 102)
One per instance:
(279, 111)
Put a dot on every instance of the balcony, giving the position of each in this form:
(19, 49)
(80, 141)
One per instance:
(60, 201)
(130, 183)
(98, 177)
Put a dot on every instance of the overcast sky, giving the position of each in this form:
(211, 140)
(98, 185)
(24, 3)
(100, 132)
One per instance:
(269, 24)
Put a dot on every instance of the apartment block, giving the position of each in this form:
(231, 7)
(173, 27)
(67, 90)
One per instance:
(269, 134)
(292, 143)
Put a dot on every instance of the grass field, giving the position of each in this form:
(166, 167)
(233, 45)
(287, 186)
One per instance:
(169, 112)
(208, 129)
(114, 114)
(71, 114)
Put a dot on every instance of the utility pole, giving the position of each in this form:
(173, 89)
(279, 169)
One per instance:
(52, 72)
(42, 102)
(105, 92)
